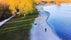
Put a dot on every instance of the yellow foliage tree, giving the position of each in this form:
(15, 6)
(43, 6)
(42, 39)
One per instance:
(24, 6)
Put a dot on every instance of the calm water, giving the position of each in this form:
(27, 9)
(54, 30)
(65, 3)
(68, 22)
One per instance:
(60, 19)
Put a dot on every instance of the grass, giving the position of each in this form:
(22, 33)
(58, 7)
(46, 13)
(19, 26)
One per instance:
(17, 28)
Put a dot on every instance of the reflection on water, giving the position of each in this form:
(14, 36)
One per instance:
(60, 19)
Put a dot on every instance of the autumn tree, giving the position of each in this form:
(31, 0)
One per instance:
(22, 6)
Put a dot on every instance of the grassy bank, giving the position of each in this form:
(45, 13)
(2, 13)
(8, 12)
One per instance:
(17, 28)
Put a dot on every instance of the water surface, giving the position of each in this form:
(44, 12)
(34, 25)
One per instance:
(60, 19)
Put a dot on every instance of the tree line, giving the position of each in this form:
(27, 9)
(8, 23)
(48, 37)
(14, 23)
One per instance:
(11, 7)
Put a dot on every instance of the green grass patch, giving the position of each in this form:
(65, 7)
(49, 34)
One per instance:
(17, 28)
